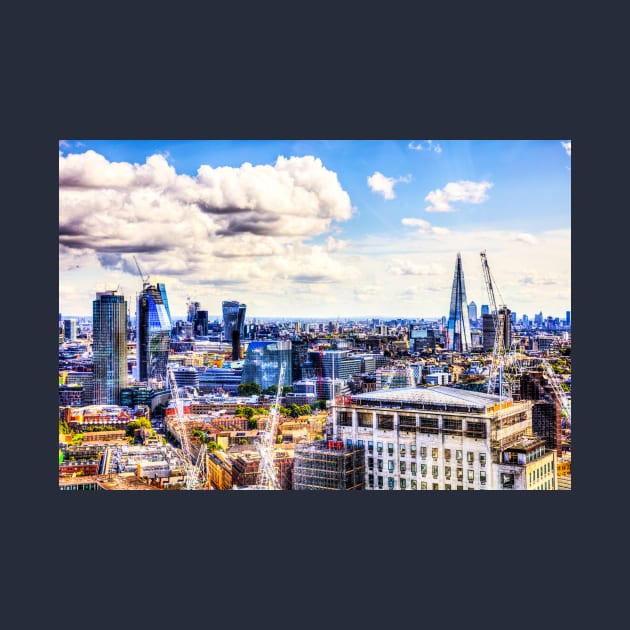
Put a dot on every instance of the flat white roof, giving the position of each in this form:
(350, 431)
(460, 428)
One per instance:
(431, 395)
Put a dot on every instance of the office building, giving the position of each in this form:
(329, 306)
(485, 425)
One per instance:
(153, 335)
(504, 322)
(328, 465)
(458, 329)
(69, 329)
(443, 438)
(263, 361)
(234, 325)
(485, 310)
(472, 313)
(109, 347)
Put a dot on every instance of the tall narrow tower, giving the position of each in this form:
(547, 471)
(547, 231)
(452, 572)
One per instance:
(458, 329)
(109, 346)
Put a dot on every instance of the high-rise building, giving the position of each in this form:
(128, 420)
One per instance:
(201, 323)
(488, 330)
(485, 310)
(161, 287)
(153, 334)
(263, 361)
(234, 325)
(109, 346)
(328, 465)
(568, 318)
(70, 329)
(458, 330)
(472, 313)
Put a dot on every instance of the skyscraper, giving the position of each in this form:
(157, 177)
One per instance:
(504, 322)
(109, 347)
(472, 313)
(263, 360)
(458, 330)
(153, 332)
(234, 325)
(485, 310)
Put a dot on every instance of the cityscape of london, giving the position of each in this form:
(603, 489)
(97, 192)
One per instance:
(314, 315)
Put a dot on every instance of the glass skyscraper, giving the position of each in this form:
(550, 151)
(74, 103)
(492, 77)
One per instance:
(153, 334)
(458, 330)
(109, 347)
(263, 360)
(233, 319)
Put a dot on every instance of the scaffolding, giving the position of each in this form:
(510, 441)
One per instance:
(328, 465)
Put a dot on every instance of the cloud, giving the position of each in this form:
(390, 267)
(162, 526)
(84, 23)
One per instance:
(334, 245)
(383, 185)
(424, 227)
(436, 148)
(538, 280)
(406, 268)
(463, 191)
(64, 144)
(524, 237)
(567, 147)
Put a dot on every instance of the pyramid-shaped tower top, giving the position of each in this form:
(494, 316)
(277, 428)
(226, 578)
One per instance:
(458, 331)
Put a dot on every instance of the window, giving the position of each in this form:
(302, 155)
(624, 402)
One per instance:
(379, 447)
(434, 454)
(360, 443)
(460, 474)
(460, 487)
(447, 472)
(390, 483)
(482, 459)
(403, 450)
(434, 471)
(458, 456)
(423, 470)
(380, 482)
(390, 449)
(403, 467)
(470, 456)
(507, 480)
(413, 450)
(371, 481)
(423, 485)
(447, 454)
(423, 452)
(390, 465)
(349, 442)
(403, 484)
(371, 463)
(379, 464)
(482, 477)
(414, 468)
(435, 486)
(471, 476)
(447, 486)
(370, 446)
(414, 484)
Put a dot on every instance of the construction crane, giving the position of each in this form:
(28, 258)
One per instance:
(501, 356)
(193, 467)
(268, 475)
(145, 278)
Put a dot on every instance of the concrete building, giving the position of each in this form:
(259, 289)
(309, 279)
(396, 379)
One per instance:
(328, 465)
(443, 438)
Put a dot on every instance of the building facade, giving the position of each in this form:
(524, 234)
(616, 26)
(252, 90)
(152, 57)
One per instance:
(458, 328)
(263, 361)
(443, 438)
(109, 347)
(153, 335)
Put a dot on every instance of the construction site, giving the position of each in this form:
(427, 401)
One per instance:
(328, 465)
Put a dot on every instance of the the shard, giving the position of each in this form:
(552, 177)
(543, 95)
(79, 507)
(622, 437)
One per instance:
(458, 329)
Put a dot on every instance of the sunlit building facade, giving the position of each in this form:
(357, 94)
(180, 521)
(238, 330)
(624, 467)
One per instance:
(263, 361)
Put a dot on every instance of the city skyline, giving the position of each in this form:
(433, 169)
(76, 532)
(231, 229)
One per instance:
(316, 228)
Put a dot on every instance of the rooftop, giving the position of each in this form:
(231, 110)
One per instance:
(429, 395)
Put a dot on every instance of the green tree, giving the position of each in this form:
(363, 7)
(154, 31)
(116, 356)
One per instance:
(252, 423)
(136, 424)
(214, 446)
(246, 412)
(249, 389)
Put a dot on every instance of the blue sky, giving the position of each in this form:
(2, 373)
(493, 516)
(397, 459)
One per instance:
(317, 228)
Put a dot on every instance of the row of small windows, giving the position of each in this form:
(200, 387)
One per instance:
(413, 485)
(541, 471)
(427, 424)
(459, 454)
(402, 466)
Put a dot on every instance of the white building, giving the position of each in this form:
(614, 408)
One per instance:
(444, 438)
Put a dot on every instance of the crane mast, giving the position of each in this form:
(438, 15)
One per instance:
(496, 371)
(267, 471)
(194, 469)
(145, 279)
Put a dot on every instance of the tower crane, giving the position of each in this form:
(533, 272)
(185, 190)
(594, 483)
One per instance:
(268, 475)
(193, 467)
(145, 278)
(501, 356)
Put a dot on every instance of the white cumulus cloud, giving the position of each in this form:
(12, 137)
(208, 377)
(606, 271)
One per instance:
(383, 185)
(430, 146)
(424, 227)
(567, 147)
(463, 191)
